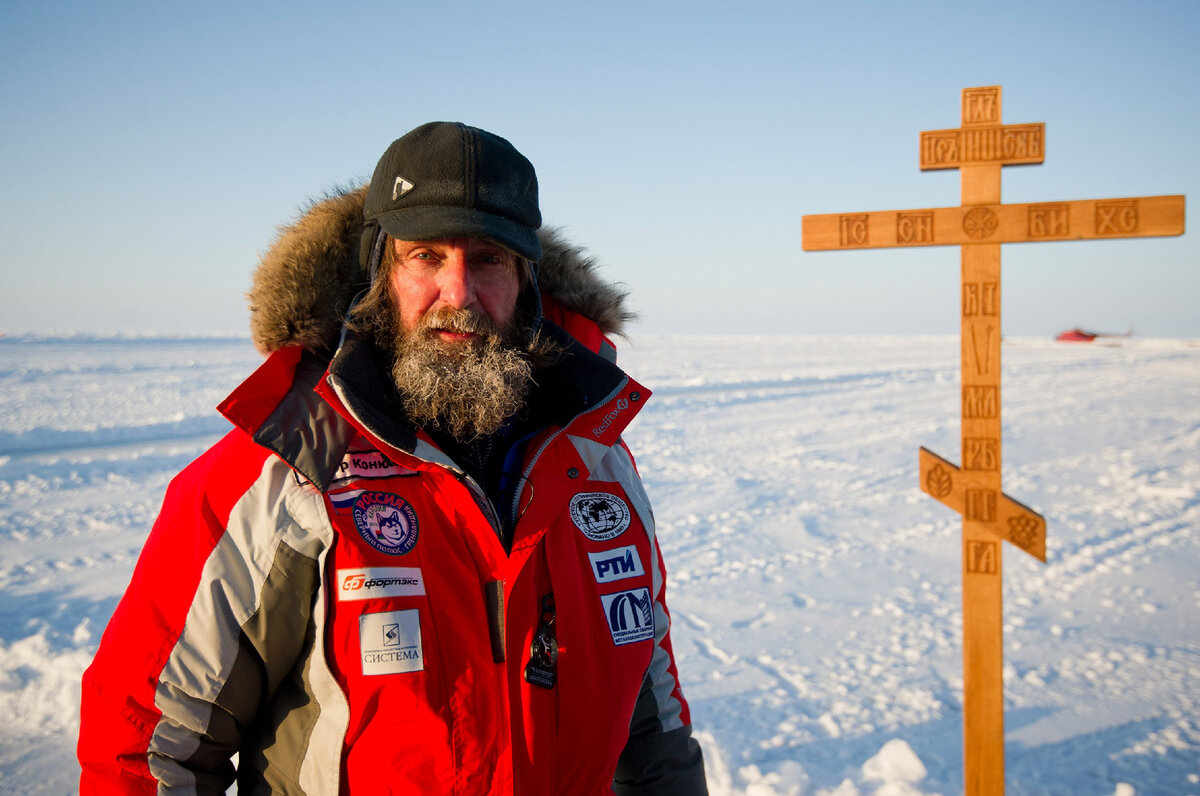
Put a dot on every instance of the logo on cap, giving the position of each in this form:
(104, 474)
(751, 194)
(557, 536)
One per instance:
(401, 187)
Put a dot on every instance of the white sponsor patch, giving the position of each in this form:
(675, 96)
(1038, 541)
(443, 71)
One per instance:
(376, 582)
(369, 464)
(630, 615)
(616, 564)
(390, 642)
(599, 515)
(362, 464)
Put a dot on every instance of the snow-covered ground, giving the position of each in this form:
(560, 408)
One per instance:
(815, 589)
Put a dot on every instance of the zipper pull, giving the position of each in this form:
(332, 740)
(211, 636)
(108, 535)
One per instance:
(543, 652)
(493, 592)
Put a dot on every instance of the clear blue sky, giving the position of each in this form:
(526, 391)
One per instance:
(149, 150)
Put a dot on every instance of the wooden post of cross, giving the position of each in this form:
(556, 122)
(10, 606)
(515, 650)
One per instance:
(979, 149)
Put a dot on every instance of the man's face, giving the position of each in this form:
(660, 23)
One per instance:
(459, 361)
(435, 276)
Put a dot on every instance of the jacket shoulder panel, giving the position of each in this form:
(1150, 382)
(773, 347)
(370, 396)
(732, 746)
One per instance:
(280, 408)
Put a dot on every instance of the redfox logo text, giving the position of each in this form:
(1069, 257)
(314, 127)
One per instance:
(599, 430)
(617, 564)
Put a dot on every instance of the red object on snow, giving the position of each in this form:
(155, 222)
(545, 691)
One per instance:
(1076, 336)
(1083, 336)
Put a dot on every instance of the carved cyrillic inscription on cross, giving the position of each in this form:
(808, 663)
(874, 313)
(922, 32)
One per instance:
(1088, 219)
(979, 149)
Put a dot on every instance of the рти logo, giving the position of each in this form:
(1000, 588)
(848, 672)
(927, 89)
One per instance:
(617, 564)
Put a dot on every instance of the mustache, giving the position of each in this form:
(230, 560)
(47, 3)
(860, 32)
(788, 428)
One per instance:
(459, 321)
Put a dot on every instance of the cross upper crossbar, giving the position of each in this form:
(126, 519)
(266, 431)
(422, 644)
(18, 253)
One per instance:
(1006, 145)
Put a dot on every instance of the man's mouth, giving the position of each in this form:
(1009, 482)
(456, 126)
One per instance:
(453, 336)
(458, 327)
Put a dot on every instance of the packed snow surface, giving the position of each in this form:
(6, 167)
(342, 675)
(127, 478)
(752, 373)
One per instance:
(815, 590)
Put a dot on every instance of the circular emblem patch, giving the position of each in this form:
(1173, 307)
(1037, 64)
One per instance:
(387, 522)
(599, 515)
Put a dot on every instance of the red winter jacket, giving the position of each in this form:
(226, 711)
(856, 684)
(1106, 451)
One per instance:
(326, 594)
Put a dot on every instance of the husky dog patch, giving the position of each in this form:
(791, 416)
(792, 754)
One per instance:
(386, 521)
(390, 642)
(599, 515)
(630, 615)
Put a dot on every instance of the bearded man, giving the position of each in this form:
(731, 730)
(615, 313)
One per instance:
(422, 562)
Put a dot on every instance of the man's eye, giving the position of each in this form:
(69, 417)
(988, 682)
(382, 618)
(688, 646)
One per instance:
(420, 260)
(493, 260)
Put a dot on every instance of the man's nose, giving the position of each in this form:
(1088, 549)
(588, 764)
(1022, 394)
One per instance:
(455, 281)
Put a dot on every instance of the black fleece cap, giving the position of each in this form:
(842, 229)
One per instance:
(448, 180)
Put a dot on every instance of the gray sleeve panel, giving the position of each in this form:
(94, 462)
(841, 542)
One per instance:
(267, 682)
(250, 627)
(252, 713)
(657, 763)
(284, 614)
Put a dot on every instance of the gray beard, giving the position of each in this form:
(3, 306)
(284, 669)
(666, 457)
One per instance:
(469, 389)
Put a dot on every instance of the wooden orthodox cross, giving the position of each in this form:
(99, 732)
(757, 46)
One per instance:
(978, 150)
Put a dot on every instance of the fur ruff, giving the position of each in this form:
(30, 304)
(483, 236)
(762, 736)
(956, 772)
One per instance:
(308, 278)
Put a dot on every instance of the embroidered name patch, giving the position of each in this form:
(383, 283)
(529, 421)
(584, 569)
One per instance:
(616, 564)
(375, 582)
(599, 515)
(369, 464)
(630, 615)
(362, 464)
(390, 642)
(386, 521)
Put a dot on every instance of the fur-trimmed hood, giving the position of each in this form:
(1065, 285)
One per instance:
(308, 278)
